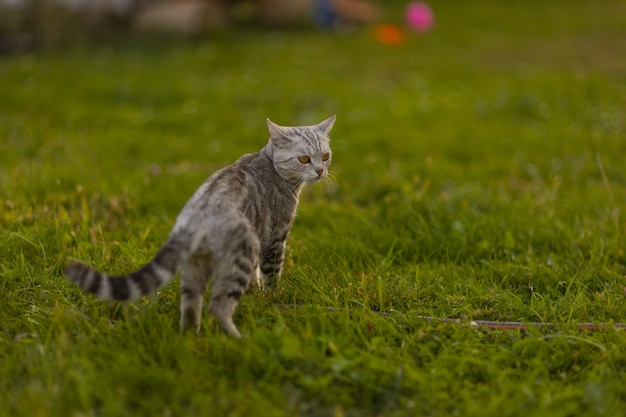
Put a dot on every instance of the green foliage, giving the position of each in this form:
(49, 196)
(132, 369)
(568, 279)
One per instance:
(479, 175)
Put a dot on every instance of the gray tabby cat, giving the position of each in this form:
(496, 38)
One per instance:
(233, 229)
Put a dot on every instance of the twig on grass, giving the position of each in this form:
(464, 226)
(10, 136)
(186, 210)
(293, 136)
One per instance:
(487, 324)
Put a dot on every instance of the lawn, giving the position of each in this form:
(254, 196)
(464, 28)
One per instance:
(479, 175)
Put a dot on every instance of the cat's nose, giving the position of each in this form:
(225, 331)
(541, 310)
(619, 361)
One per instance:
(319, 172)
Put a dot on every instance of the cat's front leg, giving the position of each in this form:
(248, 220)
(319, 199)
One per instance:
(272, 262)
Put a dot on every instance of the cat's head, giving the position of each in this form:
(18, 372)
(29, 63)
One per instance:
(301, 153)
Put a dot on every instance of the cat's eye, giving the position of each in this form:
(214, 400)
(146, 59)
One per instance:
(304, 159)
(325, 157)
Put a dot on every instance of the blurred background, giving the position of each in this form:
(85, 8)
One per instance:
(28, 23)
(478, 166)
(453, 118)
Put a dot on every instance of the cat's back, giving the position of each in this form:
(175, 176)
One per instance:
(233, 183)
(252, 162)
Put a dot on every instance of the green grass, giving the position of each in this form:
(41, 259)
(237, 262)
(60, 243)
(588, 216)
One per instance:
(480, 175)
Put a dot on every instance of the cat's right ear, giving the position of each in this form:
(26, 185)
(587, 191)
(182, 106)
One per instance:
(326, 126)
(277, 134)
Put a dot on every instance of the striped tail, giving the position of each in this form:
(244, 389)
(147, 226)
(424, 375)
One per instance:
(135, 285)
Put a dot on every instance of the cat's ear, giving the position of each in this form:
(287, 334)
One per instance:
(326, 126)
(278, 136)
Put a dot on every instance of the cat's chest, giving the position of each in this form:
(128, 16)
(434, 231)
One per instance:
(274, 222)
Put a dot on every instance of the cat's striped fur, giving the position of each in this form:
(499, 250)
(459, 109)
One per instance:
(233, 229)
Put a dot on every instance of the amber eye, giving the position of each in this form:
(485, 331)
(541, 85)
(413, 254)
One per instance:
(325, 157)
(304, 159)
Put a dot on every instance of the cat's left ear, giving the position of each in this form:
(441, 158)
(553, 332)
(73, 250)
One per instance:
(278, 135)
(326, 126)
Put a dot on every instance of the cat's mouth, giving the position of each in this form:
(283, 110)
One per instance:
(316, 178)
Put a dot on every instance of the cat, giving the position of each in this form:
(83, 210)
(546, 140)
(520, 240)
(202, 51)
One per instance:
(233, 229)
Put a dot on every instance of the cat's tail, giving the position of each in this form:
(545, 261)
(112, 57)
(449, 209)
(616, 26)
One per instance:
(147, 279)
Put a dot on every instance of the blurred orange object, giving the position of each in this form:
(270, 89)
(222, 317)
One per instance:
(389, 34)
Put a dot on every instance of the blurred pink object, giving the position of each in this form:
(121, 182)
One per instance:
(419, 16)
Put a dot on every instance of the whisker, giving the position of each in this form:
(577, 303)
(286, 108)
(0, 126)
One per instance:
(331, 181)
(332, 175)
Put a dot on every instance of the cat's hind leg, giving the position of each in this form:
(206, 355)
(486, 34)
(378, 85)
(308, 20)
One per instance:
(235, 270)
(193, 282)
